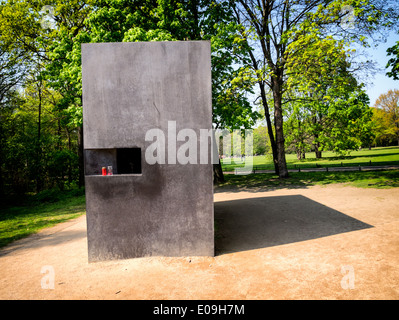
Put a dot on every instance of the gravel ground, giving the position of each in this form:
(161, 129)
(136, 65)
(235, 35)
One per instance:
(320, 242)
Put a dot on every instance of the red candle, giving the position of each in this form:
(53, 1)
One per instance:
(104, 171)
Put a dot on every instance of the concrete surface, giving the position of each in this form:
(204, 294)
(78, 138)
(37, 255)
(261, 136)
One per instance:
(299, 243)
(128, 89)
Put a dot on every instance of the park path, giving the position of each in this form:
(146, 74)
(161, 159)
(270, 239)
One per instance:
(332, 242)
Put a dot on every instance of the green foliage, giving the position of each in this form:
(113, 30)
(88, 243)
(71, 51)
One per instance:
(28, 154)
(386, 118)
(326, 106)
(261, 143)
(393, 62)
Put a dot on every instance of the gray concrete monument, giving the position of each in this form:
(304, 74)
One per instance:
(131, 93)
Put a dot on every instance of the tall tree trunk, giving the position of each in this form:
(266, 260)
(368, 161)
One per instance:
(70, 150)
(80, 157)
(39, 169)
(2, 191)
(278, 123)
(316, 137)
(269, 126)
(195, 31)
(1, 182)
(317, 150)
(218, 176)
(261, 84)
(298, 154)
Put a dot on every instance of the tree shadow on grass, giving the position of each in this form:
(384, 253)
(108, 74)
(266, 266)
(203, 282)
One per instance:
(52, 236)
(259, 182)
(262, 182)
(255, 223)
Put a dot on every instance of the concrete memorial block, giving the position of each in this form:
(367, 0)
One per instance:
(133, 93)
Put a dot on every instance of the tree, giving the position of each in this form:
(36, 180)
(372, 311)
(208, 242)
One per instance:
(297, 131)
(380, 123)
(37, 111)
(270, 26)
(63, 72)
(10, 74)
(261, 144)
(387, 115)
(340, 125)
(393, 62)
(328, 107)
(351, 124)
(317, 76)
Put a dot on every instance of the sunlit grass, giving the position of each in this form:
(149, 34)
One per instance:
(17, 222)
(365, 157)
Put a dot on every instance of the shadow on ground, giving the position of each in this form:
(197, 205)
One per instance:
(40, 240)
(255, 223)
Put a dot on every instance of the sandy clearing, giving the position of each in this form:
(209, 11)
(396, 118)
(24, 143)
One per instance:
(306, 243)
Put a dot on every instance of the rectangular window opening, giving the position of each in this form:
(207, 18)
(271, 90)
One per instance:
(128, 160)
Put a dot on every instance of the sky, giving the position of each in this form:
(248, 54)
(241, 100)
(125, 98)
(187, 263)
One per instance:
(381, 83)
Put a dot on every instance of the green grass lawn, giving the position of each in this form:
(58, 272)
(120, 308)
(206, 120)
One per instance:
(38, 212)
(377, 156)
(360, 179)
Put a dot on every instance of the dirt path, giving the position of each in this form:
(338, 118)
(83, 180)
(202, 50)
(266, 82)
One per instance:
(330, 242)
